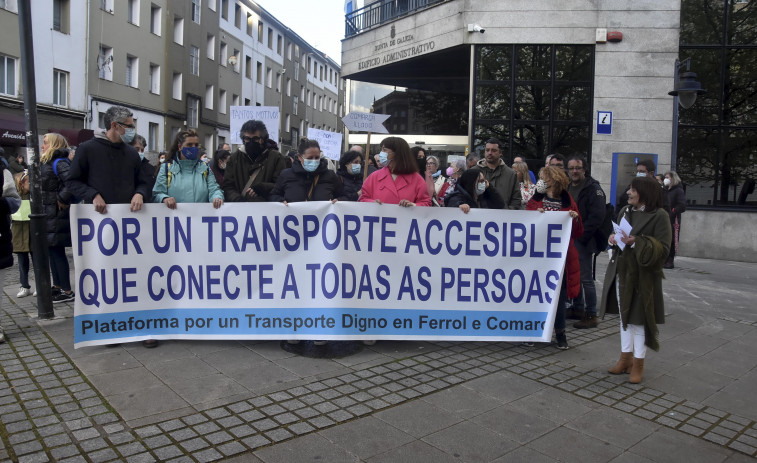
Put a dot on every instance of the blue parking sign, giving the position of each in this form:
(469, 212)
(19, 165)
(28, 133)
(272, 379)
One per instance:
(604, 122)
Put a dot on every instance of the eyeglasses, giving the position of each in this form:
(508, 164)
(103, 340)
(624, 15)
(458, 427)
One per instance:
(575, 168)
(128, 126)
(249, 139)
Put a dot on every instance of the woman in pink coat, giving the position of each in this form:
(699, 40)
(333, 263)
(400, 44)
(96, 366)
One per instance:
(398, 181)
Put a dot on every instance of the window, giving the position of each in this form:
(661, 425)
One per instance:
(60, 88)
(279, 46)
(237, 64)
(260, 31)
(295, 105)
(225, 9)
(289, 50)
(177, 91)
(107, 5)
(152, 136)
(61, 10)
(224, 53)
(101, 120)
(196, 11)
(234, 99)
(132, 11)
(194, 60)
(296, 71)
(132, 71)
(210, 92)
(248, 67)
(302, 92)
(212, 5)
(155, 78)
(210, 49)
(247, 102)
(259, 73)
(269, 77)
(222, 101)
(178, 30)
(286, 124)
(289, 86)
(296, 51)
(155, 15)
(105, 62)
(270, 38)
(249, 24)
(193, 112)
(7, 75)
(237, 15)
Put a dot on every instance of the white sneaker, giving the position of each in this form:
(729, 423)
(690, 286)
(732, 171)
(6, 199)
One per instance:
(24, 292)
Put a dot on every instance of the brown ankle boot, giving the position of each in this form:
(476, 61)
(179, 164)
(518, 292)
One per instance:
(623, 365)
(636, 370)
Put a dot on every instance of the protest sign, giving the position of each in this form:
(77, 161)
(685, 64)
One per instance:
(238, 115)
(330, 142)
(315, 270)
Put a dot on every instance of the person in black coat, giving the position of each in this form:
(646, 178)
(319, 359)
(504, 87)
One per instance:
(56, 199)
(309, 178)
(473, 191)
(9, 203)
(351, 174)
(676, 206)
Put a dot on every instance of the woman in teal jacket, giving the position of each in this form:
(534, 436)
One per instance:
(184, 179)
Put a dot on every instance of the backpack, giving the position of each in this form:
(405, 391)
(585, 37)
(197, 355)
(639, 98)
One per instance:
(604, 231)
(169, 174)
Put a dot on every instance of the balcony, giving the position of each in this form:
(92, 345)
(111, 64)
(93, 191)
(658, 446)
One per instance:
(382, 12)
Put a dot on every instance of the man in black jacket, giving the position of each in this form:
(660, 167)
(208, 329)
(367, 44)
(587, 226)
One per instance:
(106, 170)
(591, 202)
(252, 170)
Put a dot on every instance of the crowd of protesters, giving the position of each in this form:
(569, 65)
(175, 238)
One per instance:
(112, 169)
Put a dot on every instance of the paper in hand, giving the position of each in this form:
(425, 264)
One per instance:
(619, 231)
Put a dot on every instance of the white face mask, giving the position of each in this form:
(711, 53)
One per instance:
(641, 174)
(480, 188)
(541, 186)
(666, 182)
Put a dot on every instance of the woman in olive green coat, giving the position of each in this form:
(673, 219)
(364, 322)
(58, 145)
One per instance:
(633, 282)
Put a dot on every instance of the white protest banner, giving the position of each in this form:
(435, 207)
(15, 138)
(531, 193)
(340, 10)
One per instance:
(330, 142)
(238, 115)
(315, 270)
(365, 122)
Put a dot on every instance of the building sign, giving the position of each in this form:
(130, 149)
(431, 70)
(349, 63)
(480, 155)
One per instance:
(395, 49)
(604, 122)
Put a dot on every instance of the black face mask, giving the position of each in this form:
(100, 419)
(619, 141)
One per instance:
(253, 148)
(422, 165)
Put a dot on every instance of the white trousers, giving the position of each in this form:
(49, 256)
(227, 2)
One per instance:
(632, 339)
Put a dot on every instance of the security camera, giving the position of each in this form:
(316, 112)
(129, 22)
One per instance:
(475, 28)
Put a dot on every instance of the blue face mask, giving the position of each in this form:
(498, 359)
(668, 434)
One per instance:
(311, 165)
(356, 168)
(141, 155)
(129, 135)
(383, 158)
(191, 152)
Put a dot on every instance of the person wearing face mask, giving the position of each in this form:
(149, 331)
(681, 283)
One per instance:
(676, 197)
(184, 178)
(218, 166)
(552, 195)
(252, 170)
(434, 178)
(454, 171)
(473, 191)
(351, 174)
(106, 170)
(397, 182)
(309, 178)
(149, 173)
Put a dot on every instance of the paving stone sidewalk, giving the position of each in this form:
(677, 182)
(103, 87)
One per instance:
(396, 401)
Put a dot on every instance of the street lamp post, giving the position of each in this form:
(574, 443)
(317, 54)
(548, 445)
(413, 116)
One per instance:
(685, 91)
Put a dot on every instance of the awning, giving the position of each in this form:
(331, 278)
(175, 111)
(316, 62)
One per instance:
(12, 130)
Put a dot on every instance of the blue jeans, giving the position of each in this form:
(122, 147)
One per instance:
(59, 267)
(587, 296)
(23, 269)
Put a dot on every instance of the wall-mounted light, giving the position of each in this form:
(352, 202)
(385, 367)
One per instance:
(476, 28)
(232, 60)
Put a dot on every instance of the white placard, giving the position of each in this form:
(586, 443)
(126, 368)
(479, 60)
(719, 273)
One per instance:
(269, 115)
(331, 142)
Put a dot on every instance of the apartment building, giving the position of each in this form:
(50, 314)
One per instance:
(177, 64)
